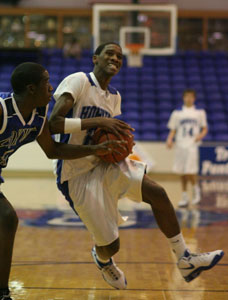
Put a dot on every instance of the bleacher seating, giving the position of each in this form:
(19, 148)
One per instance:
(150, 93)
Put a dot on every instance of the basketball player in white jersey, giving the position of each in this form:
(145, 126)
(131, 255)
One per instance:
(93, 187)
(23, 120)
(189, 126)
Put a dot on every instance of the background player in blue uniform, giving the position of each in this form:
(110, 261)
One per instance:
(22, 120)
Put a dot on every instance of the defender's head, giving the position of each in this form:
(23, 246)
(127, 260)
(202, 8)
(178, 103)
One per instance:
(32, 79)
(189, 97)
(108, 58)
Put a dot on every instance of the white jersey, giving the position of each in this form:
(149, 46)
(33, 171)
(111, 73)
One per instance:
(188, 122)
(89, 101)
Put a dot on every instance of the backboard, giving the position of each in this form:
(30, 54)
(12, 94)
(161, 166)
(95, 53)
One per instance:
(147, 29)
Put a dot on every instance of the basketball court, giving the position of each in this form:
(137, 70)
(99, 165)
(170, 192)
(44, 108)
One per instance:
(52, 250)
(52, 259)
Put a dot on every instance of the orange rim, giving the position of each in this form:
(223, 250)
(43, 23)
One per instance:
(134, 48)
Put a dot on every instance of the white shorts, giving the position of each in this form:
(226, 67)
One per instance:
(95, 196)
(186, 160)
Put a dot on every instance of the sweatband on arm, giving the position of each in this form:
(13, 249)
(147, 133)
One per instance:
(72, 125)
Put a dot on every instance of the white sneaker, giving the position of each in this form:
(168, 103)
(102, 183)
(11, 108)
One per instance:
(184, 201)
(110, 272)
(191, 265)
(196, 196)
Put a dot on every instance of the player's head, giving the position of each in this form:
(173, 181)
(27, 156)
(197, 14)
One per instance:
(189, 97)
(32, 79)
(108, 58)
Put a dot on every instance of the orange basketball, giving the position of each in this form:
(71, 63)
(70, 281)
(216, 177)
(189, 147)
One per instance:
(101, 136)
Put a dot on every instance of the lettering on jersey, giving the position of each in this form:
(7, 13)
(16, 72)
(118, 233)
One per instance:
(92, 112)
(4, 157)
(188, 121)
(16, 137)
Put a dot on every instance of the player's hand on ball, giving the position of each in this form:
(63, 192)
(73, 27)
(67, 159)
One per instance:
(109, 147)
(115, 126)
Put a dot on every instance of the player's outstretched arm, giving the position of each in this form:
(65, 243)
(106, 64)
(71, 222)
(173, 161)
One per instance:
(67, 151)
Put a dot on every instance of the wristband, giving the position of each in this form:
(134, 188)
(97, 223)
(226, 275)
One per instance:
(72, 125)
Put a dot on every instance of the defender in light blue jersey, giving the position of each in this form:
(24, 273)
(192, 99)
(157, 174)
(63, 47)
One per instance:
(23, 120)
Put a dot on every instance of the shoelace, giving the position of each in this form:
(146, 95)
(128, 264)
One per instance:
(200, 256)
(112, 271)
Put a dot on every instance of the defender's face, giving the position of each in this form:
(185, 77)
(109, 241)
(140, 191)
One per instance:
(44, 90)
(189, 99)
(110, 59)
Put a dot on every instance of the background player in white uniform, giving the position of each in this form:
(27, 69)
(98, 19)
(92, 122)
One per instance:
(189, 126)
(23, 119)
(93, 187)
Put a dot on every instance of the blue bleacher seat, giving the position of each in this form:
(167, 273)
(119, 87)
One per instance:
(148, 115)
(221, 137)
(164, 96)
(149, 125)
(148, 105)
(149, 136)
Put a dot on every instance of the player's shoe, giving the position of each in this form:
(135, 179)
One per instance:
(191, 265)
(184, 201)
(110, 272)
(196, 196)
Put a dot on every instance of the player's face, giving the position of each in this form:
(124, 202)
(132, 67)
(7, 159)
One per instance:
(110, 59)
(44, 90)
(189, 99)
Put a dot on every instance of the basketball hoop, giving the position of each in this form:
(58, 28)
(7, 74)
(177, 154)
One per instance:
(134, 55)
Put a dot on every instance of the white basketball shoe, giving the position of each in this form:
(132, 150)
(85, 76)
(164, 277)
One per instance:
(191, 265)
(110, 272)
(184, 201)
(196, 195)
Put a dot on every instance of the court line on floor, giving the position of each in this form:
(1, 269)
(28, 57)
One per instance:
(136, 290)
(32, 263)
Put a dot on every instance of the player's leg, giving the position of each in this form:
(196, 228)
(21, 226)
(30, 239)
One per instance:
(179, 165)
(195, 189)
(162, 207)
(104, 253)
(192, 168)
(98, 211)
(190, 265)
(184, 199)
(8, 227)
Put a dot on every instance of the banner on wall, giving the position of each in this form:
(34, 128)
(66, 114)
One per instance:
(213, 160)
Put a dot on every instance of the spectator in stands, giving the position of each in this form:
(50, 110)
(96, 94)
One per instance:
(189, 126)
(72, 49)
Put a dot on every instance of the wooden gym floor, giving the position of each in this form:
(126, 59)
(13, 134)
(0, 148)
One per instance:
(52, 249)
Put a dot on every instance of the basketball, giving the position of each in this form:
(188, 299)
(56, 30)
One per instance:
(101, 136)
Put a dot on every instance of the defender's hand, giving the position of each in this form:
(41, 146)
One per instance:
(109, 147)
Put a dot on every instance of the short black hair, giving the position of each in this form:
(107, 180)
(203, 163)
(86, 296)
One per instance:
(25, 74)
(190, 91)
(101, 47)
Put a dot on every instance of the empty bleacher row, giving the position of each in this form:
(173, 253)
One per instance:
(150, 93)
